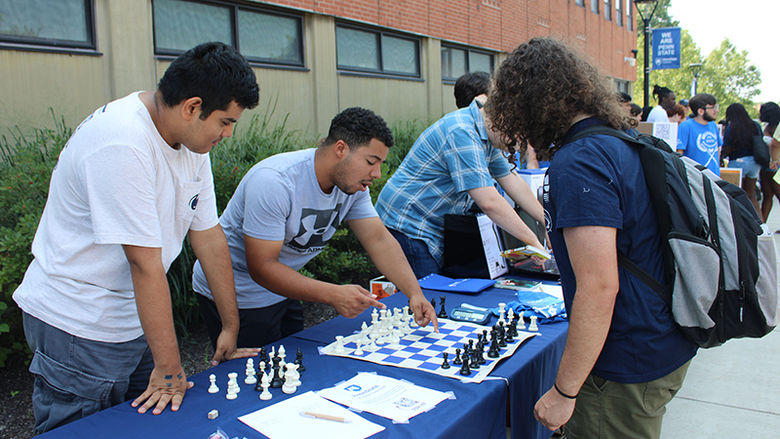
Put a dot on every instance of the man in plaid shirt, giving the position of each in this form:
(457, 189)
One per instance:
(452, 165)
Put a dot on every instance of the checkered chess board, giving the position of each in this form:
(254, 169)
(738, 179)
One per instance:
(422, 349)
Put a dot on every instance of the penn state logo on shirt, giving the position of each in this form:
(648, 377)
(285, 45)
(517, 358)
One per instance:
(316, 228)
(194, 202)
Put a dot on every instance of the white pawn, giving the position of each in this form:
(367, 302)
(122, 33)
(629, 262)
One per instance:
(213, 384)
(364, 328)
(281, 353)
(532, 326)
(359, 350)
(265, 382)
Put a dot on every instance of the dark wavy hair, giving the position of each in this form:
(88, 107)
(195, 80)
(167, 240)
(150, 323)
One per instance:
(214, 72)
(769, 113)
(541, 87)
(357, 126)
(661, 92)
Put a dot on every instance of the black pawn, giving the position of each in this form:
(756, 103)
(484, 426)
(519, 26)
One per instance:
(457, 361)
(464, 369)
(442, 312)
(299, 360)
(494, 350)
(263, 355)
(445, 364)
(277, 380)
(474, 364)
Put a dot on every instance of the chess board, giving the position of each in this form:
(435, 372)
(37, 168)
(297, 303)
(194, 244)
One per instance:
(422, 349)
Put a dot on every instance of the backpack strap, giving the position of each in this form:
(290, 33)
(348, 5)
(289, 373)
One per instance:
(652, 159)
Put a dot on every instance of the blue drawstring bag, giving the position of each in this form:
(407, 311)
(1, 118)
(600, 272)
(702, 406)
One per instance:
(545, 307)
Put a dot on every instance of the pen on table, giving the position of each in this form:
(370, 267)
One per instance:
(308, 414)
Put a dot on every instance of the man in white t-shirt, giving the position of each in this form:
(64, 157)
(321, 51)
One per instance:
(282, 215)
(133, 180)
(666, 102)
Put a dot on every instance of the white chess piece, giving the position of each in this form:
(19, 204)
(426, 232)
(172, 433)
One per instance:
(501, 312)
(233, 382)
(250, 372)
(532, 326)
(213, 384)
(296, 376)
(289, 380)
(265, 382)
(359, 350)
(281, 352)
(510, 315)
(374, 317)
(520, 321)
(339, 348)
(364, 328)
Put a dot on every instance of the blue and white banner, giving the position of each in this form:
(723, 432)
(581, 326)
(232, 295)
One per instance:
(666, 48)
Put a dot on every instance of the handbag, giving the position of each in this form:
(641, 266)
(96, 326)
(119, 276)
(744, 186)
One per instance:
(760, 150)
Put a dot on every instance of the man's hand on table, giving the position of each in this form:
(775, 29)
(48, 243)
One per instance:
(351, 300)
(164, 387)
(423, 311)
(226, 349)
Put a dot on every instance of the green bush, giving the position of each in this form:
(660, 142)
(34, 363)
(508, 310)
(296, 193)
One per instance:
(26, 163)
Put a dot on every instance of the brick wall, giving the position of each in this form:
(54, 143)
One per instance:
(494, 24)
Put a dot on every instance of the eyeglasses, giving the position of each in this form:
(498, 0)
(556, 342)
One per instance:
(715, 107)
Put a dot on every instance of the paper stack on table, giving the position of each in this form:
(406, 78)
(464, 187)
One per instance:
(387, 397)
(309, 416)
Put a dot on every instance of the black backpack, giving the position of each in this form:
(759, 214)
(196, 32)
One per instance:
(727, 284)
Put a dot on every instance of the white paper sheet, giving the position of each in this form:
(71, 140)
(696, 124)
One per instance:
(387, 397)
(283, 420)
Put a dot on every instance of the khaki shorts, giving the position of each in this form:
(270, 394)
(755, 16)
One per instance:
(608, 409)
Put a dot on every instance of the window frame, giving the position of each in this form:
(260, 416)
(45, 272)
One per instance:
(595, 6)
(608, 10)
(167, 54)
(619, 12)
(346, 69)
(468, 50)
(53, 45)
(579, 3)
(630, 15)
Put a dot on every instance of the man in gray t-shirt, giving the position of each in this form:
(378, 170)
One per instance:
(282, 215)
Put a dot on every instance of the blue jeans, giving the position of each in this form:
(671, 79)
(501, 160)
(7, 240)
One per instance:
(76, 377)
(748, 165)
(417, 254)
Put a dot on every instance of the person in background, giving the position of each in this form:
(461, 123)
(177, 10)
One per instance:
(678, 114)
(132, 182)
(769, 113)
(469, 86)
(636, 112)
(686, 105)
(738, 147)
(666, 102)
(699, 137)
(625, 357)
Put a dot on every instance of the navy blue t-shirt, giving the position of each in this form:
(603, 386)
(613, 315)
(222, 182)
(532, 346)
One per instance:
(598, 181)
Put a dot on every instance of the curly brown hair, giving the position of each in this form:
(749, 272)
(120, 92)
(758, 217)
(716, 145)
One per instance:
(539, 90)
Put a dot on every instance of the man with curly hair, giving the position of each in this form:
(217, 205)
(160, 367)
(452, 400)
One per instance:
(624, 358)
(284, 212)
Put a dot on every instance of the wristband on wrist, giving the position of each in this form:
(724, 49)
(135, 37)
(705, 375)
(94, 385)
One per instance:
(563, 394)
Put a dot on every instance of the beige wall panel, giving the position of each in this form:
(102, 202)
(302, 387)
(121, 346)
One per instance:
(395, 100)
(127, 44)
(72, 85)
(448, 98)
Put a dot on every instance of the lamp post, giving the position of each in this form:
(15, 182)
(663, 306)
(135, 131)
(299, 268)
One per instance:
(695, 69)
(646, 23)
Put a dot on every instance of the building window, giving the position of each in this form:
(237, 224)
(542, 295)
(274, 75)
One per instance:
(608, 9)
(261, 36)
(594, 6)
(619, 12)
(630, 15)
(374, 51)
(579, 2)
(622, 86)
(56, 24)
(455, 61)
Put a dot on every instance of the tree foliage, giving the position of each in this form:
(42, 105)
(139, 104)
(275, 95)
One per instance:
(726, 73)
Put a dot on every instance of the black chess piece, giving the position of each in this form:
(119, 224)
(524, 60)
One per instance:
(501, 335)
(494, 350)
(445, 364)
(263, 355)
(457, 361)
(474, 363)
(277, 380)
(509, 338)
(433, 303)
(299, 360)
(464, 369)
(442, 312)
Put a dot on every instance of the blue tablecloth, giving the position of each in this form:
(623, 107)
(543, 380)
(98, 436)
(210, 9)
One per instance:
(479, 410)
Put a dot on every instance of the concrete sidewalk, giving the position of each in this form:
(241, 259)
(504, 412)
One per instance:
(732, 391)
